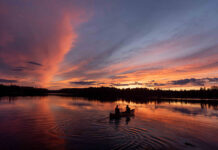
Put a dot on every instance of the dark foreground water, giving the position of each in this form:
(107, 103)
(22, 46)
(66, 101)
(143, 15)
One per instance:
(75, 123)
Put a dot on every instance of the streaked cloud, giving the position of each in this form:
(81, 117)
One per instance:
(170, 44)
(43, 31)
(184, 82)
(84, 82)
(7, 81)
(34, 63)
(193, 81)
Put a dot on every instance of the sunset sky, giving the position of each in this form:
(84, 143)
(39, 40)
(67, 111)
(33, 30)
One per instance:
(120, 43)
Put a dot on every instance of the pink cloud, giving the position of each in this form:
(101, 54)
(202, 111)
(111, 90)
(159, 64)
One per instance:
(41, 31)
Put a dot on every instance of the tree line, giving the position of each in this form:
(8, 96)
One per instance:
(139, 93)
(111, 92)
(13, 90)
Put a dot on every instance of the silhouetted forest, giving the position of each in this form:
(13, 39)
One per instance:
(112, 93)
(204, 97)
(138, 93)
(13, 90)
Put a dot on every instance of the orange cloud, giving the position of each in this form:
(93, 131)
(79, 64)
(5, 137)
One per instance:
(42, 32)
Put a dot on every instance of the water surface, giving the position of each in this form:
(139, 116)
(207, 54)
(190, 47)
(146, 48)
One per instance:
(55, 122)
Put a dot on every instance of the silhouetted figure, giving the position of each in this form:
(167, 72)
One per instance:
(117, 110)
(127, 109)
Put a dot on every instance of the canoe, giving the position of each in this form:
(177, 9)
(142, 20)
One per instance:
(122, 114)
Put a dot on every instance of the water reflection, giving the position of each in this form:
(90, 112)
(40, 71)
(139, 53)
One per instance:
(76, 123)
(27, 123)
(118, 120)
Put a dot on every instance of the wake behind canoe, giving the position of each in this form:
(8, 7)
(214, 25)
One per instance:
(122, 114)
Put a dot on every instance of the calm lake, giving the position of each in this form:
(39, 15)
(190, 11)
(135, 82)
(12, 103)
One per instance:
(55, 122)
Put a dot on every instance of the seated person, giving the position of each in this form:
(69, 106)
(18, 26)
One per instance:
(127, 109)
(117, 110)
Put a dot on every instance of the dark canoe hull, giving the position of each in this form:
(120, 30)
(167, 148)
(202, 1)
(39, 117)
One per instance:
(122, 114)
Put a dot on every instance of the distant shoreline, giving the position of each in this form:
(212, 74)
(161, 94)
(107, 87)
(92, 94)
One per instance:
(205, 97)
(113, 93)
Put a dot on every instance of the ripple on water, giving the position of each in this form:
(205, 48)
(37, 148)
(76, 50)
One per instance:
(126, 137)
(95, 130)
(139, 138)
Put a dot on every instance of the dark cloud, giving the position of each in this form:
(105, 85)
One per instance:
(154, 84)
(34, 63)
(117, 77)
(159, 84)
(212, 80)
(84, 83)
(18, 69)
(119, 84)
(127, 84)
(7, 81)
(193, 81)
(182, 82)
(144, 69)
(90, 83)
